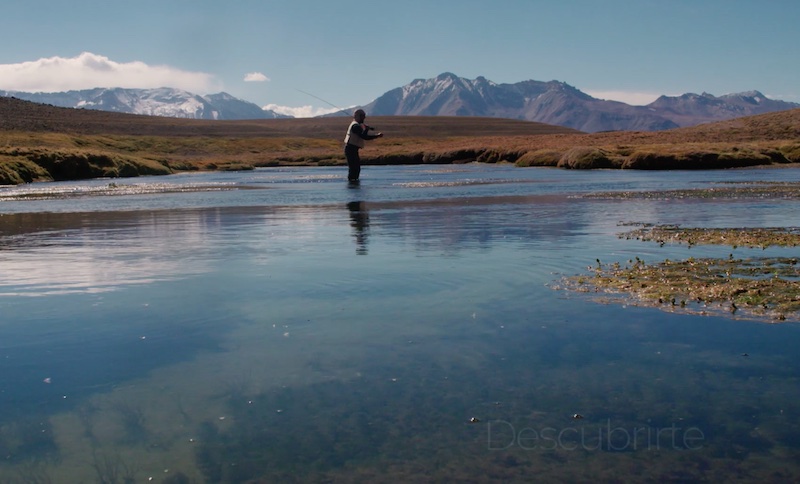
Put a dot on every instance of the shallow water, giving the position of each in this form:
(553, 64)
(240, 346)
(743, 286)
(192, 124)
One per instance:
(281, 325)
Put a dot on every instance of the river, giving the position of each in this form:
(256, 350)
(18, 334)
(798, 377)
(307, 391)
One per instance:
(280, 324)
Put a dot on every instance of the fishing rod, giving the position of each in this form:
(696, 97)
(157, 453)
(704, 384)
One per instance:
(368, 128)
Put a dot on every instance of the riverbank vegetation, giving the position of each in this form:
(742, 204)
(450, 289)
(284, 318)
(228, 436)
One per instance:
(39, 142)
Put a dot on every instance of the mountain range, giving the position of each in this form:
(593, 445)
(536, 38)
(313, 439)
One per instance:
(560, 104)
(167, 102)
(552, 102)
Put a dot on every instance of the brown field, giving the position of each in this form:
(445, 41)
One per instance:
(41, 142)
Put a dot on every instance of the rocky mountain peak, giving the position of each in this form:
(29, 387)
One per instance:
(556, 102)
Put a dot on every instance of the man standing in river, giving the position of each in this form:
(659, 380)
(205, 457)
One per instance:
(357, 133)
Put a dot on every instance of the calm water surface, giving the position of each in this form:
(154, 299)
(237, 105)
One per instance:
(281, 326)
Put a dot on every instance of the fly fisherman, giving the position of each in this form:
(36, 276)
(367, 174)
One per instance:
(357, 133)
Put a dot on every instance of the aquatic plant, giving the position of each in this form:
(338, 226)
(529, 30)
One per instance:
(753, 237)
(33, 472)
(133, 422)
(757, 287)
(760, 190)
(28, 439)
(85, 413)
(112, 469)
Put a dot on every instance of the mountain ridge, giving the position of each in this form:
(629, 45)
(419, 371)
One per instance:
(164, 101)
(558, 103)
(550, 102)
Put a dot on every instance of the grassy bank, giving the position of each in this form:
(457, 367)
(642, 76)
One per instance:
(39, 143)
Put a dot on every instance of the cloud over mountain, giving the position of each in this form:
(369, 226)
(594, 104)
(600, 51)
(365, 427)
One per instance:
(88, 70)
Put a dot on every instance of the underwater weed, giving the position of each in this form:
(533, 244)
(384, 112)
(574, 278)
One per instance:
(133, 422)
(112, 469)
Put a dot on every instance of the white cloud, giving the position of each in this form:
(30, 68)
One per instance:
(255, 77)
(783, 97)
(627, 97)
(86, 71)
(300, 112)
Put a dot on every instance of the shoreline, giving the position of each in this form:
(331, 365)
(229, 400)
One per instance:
(29, 165)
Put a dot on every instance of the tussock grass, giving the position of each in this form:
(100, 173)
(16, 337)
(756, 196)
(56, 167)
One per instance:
(93, 155)
(585, 158)
(701, 157)
(72, 164)
(99, 143)
(790, 151)
(15, 170)
(544, 157)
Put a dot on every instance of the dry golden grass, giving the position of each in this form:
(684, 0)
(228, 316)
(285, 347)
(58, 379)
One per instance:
(154, 144)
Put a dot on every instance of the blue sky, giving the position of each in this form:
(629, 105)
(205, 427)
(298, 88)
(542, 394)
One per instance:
(350, 53)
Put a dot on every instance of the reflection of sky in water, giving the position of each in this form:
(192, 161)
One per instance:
(301, 329)
(59, 254)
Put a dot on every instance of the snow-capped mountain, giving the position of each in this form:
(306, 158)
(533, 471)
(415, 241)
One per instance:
(552, 102)
(164, 101)
(559, 103)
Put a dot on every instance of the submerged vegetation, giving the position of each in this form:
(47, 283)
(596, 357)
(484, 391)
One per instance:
(755, 287)
(774, 190)
(752, 237)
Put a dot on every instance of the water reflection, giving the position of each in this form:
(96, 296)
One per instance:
(250, 343)
(359, 221)
(49, 254)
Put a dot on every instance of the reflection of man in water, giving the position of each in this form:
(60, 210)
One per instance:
(359, 220)
(357, 133)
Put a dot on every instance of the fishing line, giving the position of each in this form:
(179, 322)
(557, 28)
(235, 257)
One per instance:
(326, 102)
(331, 104)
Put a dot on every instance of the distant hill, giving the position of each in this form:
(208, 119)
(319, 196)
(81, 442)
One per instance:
(693, 109)
(26, 116)
(167, 102)
(560, 104)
